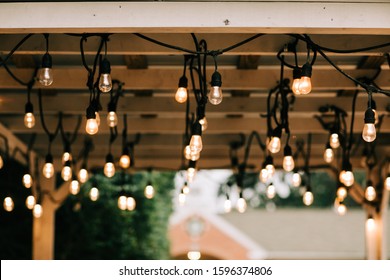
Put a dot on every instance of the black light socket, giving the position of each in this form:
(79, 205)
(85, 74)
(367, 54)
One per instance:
(287, 151)
(369, 116)
(297, 73)
(306, 70)
(91, 114)
(111, 107)
(183, 82)
(191, 164)
(109, 158)
(105, 67)
(29, 108)
(216, 79)
(49, 158)
(197, 128)
(46, 61)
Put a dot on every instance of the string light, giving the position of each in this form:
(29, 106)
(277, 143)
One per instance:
(288, 160)
(46, 72)
(182, 198)
(122, 201)
(275, 143)
(196, 145)
(112, 118)
(30, 202)
(66, 172)
(341, 209)
(186, 188)
(334, 140)
(181, 93)
(66, 156)
(346, 176)
(48, 168)
(370, 192)
(215, 95)
(130, 203)
(203, 122)
(227, 205)
(369, 131)
(269, 165)
(29, 119)
(91, 126)
(124, 160)
(1, 162)
(94, 193)
(83, 175)
(37, 210)
(241, 205)
(74, 187)
(105, 81)
(149, 191)
(27, 181)
(271, 191)
(296, 179)
(308, 197)
(341, 193)
(8, 204)
(188, 154)
(263, 176)
(296, 80)
(109, 167)
(328, 154)
(191, 171)
(305, 81)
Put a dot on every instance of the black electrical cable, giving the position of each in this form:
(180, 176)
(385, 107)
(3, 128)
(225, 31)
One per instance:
(4, 61)
(53, 135)
(164, 44)
(240, 43)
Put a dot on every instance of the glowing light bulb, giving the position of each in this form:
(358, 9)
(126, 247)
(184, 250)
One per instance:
(296, 80)
(1, 162)
(387, 182)
(66, 173)
(376, 116)
(369, 132)
(124, 160)
(181, 95)
(48, 170)
(263, 175)
(227, 205)
(305, 82)
(328, 155)
(27, 181)
(66, 156)
(109, 169)
(83, 175)
(241, 205)
(105, 81)
(193, 255)
(185, 189)
(370, 224)
(94, 194)
(46, 76)
(334, 140)
(130, 203)
(182, 199)
(149, 192)
(341, 193)
(347, 178)
(30, 202)
(215, 95)
(296, 179)
(274, 145)
(8, 204)
(97, 117)
(308, 198)
(37, 211)
(270, 169)
(271, 191)
(112, 119)
(370, 193)
(191, 172)
(188, 154)
(122, 202)
(91, 127)
(74, 187)
(341, 209)
(288, 163)
(196, 145)
(29, 120)
(203, 122)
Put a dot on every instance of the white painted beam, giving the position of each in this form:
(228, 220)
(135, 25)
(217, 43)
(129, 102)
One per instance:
(253, 17)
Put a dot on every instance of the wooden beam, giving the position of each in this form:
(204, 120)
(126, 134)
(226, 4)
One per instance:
(163, 17)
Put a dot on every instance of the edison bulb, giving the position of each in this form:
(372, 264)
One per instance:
(215, 95)
(271, 191)
(122, 202)
(288, 163)
(227, 205)
(270, 169)
(369, 132)
(91, 127)
(124, 161)
(387, 183)
(181, 95)
(347, 178)
(105, 82)
(188, 154)
(274, 145)
(29, 120)
(112, 119)
(370, 224)
(74, 187)
(48, 170)
(296, 179)
(191, 172)
(295, 86)
(8, 204)
(83, 175)
(263, 175)
(182, 199)
(341, 209)
(109, 169)
(341, 193)
(130, 203)
(334, 140)
(308, 198)
(304, 85)
(66, 173)
(46, 76)
(27, 181)
(97, 117)
(203, 122)
(149, 192)
(370, 193)
(30, 202)
(328, 155)
(196, 145)
(66, 156)
(185, 189)
(94, 194)
(37, 211)
(241, 205)
(376, 116)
